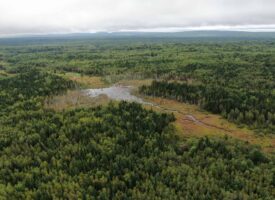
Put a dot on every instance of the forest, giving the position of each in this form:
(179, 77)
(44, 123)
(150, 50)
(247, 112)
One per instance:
(124, 150)
(254, 108)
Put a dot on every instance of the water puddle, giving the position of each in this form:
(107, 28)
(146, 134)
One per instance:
(116, 92)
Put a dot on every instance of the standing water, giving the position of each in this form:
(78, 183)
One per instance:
(116, 93)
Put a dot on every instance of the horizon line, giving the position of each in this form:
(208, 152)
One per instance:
(164, 31)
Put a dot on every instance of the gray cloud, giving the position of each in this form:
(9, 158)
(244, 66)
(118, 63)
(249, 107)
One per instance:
(59, 16)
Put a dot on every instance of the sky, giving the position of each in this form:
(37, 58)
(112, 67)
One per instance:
(74, 16)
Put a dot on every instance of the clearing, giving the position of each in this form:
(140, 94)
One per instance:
(191, 121)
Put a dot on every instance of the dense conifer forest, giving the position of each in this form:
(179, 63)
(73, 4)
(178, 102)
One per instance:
(123, 150)
(252, 107)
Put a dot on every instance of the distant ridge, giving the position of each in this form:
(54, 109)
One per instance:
(189, 35)
(192, 34)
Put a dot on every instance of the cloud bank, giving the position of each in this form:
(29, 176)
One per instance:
(67, 16)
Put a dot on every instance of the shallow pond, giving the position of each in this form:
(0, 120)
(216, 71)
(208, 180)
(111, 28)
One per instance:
(116, 93)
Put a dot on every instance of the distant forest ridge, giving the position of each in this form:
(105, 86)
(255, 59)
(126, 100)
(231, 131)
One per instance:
(186, 35)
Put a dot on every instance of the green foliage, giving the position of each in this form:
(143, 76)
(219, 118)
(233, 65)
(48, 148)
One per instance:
(255, 108)
(116, 152)
(122, 151)
(234, 78)
(30, 83)
(231, 62)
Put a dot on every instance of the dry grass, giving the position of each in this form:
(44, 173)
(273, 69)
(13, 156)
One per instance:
(86, 81)
(98, 82)
(74, 99)
(135, 83)
(209, 124)
(4, 74)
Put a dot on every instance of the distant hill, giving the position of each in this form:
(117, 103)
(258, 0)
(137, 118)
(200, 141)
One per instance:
(187, 35)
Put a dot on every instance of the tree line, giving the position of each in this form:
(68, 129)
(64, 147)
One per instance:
(252, 107)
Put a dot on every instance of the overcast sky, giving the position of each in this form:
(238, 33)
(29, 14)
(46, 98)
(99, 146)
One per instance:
(66, 16)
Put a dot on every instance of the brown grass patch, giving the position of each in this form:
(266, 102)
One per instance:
(4, 74)
(74, 99)
(135, 83)
(86, 81)
(208, 124)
